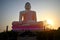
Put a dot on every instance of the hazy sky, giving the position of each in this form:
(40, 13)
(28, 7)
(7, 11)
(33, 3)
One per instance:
(45, 9)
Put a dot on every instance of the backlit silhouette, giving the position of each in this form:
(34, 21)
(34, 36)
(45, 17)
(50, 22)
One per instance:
(27, 18)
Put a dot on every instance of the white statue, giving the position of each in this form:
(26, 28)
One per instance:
(27, 17)
(27, 20)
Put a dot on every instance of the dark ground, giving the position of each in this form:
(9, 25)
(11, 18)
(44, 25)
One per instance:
(42, 35)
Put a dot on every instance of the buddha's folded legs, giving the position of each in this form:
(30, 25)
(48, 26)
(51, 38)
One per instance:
(34, 23)
(37, 23)
(16, 23)
(27, 24)
(20, 23)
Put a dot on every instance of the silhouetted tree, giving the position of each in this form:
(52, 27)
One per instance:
(59, 28)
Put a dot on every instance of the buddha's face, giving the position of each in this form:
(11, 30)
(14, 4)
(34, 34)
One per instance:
(27, 6)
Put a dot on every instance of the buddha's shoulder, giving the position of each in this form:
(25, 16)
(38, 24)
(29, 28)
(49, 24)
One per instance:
(25, 11)
(22, 11)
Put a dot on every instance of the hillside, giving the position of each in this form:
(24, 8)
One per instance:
(29, 35)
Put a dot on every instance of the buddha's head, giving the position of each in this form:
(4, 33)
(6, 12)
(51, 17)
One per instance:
(27, 6)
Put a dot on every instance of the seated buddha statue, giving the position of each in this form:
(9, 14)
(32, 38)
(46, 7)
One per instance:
(26, 17)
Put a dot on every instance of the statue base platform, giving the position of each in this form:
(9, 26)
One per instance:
(34, 27)
(23, 28)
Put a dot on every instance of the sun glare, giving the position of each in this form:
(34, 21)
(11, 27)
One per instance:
(49, 22)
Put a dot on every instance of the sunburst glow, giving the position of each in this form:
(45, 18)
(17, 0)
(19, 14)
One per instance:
(50, 22)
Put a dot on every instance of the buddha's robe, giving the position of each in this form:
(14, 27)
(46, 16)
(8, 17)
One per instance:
(26, 18)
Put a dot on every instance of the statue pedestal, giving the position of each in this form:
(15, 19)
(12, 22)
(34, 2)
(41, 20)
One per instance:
(28, 27)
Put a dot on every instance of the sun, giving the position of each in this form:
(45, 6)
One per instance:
(50, 22)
